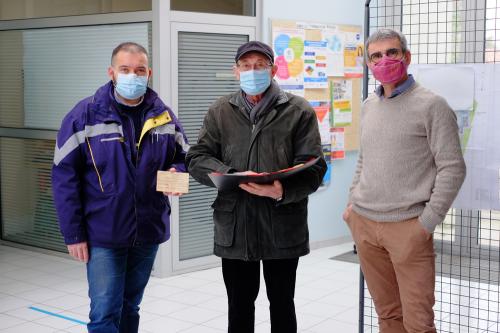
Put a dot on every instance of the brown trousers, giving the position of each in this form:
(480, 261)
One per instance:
(397, 260)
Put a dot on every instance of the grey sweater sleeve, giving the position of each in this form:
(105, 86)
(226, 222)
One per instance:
(359, 163)
(444, 142)
(357, 174)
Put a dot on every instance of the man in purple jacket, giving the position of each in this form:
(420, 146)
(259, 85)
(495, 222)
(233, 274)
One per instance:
(108, 151)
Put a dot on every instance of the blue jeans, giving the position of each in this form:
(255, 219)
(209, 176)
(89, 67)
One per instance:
(117, 279)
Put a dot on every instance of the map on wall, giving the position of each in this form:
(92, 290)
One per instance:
(473, 92)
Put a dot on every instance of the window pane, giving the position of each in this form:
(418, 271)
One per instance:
(45, 72)
(23, 9)
(231, 7)
(28, 214)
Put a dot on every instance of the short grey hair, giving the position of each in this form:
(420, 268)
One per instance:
(128, 47)
(383, 34)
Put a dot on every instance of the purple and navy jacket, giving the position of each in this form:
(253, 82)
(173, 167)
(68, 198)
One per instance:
(100, 195)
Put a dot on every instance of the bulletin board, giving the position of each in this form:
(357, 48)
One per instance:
(324, 64)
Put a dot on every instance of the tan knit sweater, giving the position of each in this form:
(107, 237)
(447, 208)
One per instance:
(410, 161)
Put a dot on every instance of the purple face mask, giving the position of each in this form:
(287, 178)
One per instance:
(388, 70)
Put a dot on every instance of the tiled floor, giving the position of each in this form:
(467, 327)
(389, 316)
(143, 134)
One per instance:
(326, 296)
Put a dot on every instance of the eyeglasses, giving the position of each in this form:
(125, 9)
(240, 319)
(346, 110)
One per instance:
(260, 65)
(392, 53)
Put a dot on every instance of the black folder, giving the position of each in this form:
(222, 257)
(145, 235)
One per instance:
(229, 181)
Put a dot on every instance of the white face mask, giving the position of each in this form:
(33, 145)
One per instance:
(131, 86)
(255, 82)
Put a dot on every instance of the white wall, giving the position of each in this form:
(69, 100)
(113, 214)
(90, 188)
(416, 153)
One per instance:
(326, 206)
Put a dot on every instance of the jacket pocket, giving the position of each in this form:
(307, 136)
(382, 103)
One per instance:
(159, 146)
(290, 227)
(282, 158)
(160, 204)
(102, 156)
(224, 220)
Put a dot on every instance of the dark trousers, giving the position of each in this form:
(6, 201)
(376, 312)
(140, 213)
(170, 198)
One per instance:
(117, 279)
(242, 279)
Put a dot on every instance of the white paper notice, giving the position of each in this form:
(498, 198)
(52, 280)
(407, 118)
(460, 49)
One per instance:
(315, 67)
(460, 93)
(334, 51)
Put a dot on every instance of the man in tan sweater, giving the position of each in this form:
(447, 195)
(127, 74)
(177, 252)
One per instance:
(409, 171)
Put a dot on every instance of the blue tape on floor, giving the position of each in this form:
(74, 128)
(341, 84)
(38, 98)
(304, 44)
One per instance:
(58, 315)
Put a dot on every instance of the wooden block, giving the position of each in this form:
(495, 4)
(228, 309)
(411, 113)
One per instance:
(173, 182)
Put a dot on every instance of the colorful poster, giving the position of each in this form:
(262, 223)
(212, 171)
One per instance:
(322, 109)
(315, 75)
(327, 154)
(353, 54)
(288, 45)
(338, 140)
(341, 95)
(334, 51)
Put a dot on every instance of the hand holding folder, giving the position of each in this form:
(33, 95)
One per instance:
(230, 181)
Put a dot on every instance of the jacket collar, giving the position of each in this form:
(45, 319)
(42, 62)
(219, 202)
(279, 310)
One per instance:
(236, 99)
(103, 108)
(403, 87)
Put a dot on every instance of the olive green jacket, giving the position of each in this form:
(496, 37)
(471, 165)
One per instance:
(246, 226)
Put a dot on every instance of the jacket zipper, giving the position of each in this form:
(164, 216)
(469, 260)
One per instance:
(135, 171)
(246, 215)
(95, 165)
(135, 180)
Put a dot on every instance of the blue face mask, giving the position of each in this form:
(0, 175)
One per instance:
(255, 82)
(131, 86)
